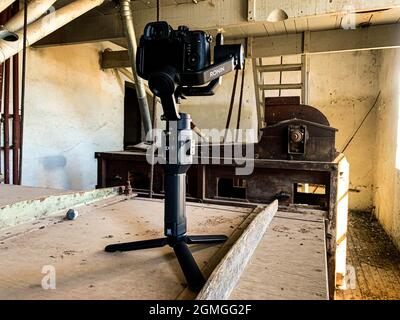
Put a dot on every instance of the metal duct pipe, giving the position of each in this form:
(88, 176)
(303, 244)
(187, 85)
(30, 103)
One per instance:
(46, 25)
(127, 19)
(6, 118)
(5, 4)
(36, 8)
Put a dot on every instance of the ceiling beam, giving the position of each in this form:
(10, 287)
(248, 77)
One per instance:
(317, 42)
(314, 42)
(87, 29)
(114, 59)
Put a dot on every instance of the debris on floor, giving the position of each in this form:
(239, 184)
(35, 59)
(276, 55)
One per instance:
(373, 261)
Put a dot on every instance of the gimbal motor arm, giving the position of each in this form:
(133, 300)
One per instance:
(166, 84)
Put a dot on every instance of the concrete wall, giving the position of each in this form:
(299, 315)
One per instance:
(73, 109)
(342, 85)
(387, 155)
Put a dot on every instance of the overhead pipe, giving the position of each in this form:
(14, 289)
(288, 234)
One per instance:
(4, 4)
(16, 132)
(46, 25)
(127, 18)
(36, 8)
(1, 103)
(6, 118)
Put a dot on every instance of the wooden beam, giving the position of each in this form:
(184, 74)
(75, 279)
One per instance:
(374, 37)
(115, 59)
(28, 210)
(226, 275)
(86, 29)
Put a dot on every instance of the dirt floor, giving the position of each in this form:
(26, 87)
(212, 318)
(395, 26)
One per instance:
(373, 261)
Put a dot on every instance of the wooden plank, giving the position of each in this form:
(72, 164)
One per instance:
(10, 194)
(115, 59)
(288, 264)
(213, 262)
(224, 278)
(251, 10)
(277, 45)
(28, 210)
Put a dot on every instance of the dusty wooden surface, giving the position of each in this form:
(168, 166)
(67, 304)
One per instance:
(11, 194)
(85, 271)
(289, 263)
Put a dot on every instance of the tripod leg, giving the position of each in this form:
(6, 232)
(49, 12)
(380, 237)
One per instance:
(206, 239)
(137, 245)
(190, 269)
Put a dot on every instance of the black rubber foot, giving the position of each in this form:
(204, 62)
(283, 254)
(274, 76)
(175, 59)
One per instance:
(137, 245)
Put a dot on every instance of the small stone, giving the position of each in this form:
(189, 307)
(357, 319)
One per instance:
(72, 214)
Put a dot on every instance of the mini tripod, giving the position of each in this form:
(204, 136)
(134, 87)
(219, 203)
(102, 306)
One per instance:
(178, 161)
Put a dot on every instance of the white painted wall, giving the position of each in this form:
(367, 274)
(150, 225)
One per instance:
(387, 155)
(73, 109)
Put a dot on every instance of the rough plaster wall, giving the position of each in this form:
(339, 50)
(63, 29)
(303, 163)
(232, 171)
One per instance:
(73, 109)
(387, 155)
(342, 85)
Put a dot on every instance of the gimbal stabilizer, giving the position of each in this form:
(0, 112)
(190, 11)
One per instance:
(168, 84)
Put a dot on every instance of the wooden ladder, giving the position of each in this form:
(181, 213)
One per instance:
(259, 69)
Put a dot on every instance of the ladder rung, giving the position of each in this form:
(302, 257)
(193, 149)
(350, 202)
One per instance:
(279, 68)
(285, 86)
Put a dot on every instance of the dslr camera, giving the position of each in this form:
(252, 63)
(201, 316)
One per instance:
(177, 63)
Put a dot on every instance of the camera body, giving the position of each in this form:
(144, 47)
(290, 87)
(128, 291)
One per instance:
(183, 50)
(177, 63)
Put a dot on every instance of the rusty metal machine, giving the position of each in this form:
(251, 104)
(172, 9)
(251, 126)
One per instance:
(295, 162)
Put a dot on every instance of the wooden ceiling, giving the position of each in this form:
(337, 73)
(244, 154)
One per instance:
(229, 17)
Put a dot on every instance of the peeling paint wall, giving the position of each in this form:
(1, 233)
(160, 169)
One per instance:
(73, 109)
(342, 85)
(387, 155)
